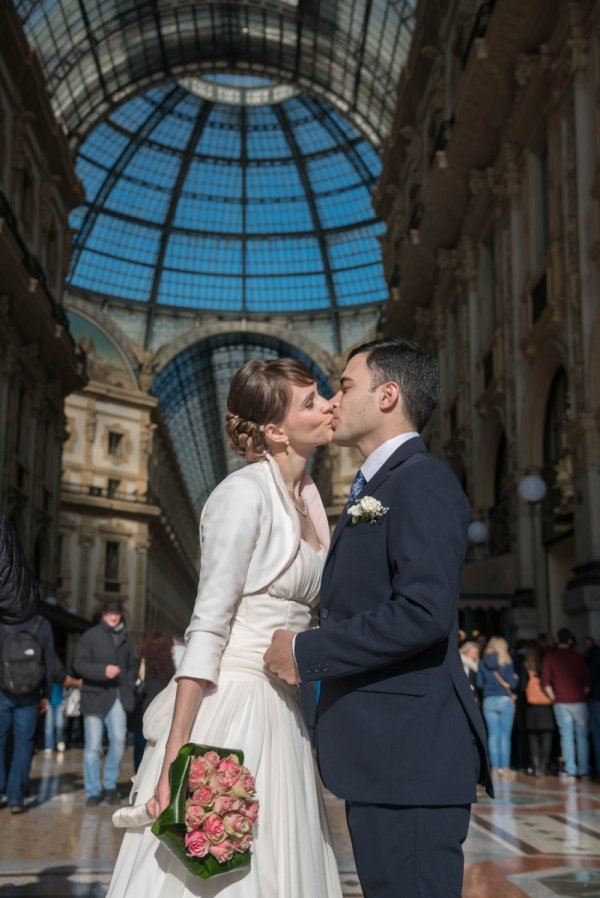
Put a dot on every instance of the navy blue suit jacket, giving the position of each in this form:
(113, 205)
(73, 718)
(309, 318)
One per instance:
(397, 722)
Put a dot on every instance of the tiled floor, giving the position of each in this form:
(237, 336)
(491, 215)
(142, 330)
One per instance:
(540, 838)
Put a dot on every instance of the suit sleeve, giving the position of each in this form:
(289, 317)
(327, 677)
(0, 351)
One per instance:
(426, 548)
(229, 531)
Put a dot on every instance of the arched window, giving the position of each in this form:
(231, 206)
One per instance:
(499, 516)
(500, 470)
(557, 506)
(555, 419)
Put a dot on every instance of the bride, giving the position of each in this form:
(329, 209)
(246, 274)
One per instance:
(264, 536)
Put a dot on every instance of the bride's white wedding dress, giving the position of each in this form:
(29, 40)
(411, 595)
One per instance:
(292, 856)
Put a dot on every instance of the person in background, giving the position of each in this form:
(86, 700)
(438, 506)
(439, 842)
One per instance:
(566, 680)
(469, 655)
(539, 719)
(177, 650)
(18, 586)
(24, 693)
(497, 680)
(155, 671)
(105, 659)
(593, 662)
(54, 723)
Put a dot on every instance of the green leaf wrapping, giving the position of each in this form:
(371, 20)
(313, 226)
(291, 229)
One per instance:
(170, 825)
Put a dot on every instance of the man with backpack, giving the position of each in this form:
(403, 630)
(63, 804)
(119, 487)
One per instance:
(26, 669)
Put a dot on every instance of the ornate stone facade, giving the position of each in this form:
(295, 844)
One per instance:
(39, 360)
(490, 191)
(127, 526)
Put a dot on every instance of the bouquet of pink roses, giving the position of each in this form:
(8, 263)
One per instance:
(208, 824)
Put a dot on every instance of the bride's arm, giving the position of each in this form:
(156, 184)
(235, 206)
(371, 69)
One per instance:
(190, 693)
(228, 534)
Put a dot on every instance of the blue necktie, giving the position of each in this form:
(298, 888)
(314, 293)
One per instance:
(357, 487)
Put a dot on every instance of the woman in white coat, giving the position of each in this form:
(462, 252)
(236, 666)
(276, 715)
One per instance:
(264, 535)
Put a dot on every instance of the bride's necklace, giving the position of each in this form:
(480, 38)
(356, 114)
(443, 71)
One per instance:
(301, 509)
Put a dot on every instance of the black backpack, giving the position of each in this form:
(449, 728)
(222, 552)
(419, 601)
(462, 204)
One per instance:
(22, 669)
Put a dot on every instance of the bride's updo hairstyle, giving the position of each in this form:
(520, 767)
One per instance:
(260, 394)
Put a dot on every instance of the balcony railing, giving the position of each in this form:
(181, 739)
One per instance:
(104, 492)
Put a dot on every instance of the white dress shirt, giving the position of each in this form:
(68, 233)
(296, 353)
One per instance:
(379, 456)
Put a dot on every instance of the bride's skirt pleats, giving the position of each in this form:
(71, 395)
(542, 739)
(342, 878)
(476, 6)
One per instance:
(292, 855)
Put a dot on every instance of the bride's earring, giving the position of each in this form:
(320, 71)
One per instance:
(287, 442)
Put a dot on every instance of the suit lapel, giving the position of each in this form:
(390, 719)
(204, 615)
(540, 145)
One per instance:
(403, 452)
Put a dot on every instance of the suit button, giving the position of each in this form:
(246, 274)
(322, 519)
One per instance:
(325, 668)
(317, 668)
(324, 613)
(310, 669)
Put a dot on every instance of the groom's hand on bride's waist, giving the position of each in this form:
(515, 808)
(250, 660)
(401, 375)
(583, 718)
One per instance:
(279, 657)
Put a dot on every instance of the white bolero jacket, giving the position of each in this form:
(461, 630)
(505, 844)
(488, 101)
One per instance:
(249, 535)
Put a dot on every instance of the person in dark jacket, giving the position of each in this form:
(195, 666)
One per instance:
(105, 659)
(18, 586)
(155, 671)
(19, 714)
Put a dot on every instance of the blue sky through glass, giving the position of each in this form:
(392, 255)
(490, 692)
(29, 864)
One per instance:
(194, 204)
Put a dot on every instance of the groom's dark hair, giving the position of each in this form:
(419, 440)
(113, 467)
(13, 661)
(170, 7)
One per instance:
(414, 370)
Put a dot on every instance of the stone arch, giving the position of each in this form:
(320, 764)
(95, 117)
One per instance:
(113, 333)
(327, 363)
(550, 356)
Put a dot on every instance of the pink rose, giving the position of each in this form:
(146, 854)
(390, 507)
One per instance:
(243, 843)
(245, 787)
(213, 827)
(230, 771)
(204, 796)
(214, 781)
(236, 825)
(211, 759)
(222, 851)
(225, 803)
(197, 844)
(194, 814)
(251, 811)
(198, 773)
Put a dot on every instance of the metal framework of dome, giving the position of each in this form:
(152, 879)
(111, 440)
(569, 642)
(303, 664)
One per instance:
(96, 53)
(236, 209)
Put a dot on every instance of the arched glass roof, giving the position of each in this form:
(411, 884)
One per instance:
(229, 206)
(96, 53)
(192, 390)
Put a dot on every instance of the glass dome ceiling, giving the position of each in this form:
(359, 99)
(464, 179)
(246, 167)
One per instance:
(228, 194)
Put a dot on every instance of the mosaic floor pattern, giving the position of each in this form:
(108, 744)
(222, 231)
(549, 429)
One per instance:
(539, 839)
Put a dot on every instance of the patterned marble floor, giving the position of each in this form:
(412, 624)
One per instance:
(540, 838)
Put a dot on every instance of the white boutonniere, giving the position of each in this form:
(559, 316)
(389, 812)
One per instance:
(368, 510)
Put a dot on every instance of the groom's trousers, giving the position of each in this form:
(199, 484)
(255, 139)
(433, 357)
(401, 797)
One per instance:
(408, 852)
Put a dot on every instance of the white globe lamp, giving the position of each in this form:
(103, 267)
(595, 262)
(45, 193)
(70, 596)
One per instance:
(532, 488)
(477, 533)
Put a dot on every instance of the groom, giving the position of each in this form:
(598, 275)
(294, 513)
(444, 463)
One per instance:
(399, 735)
